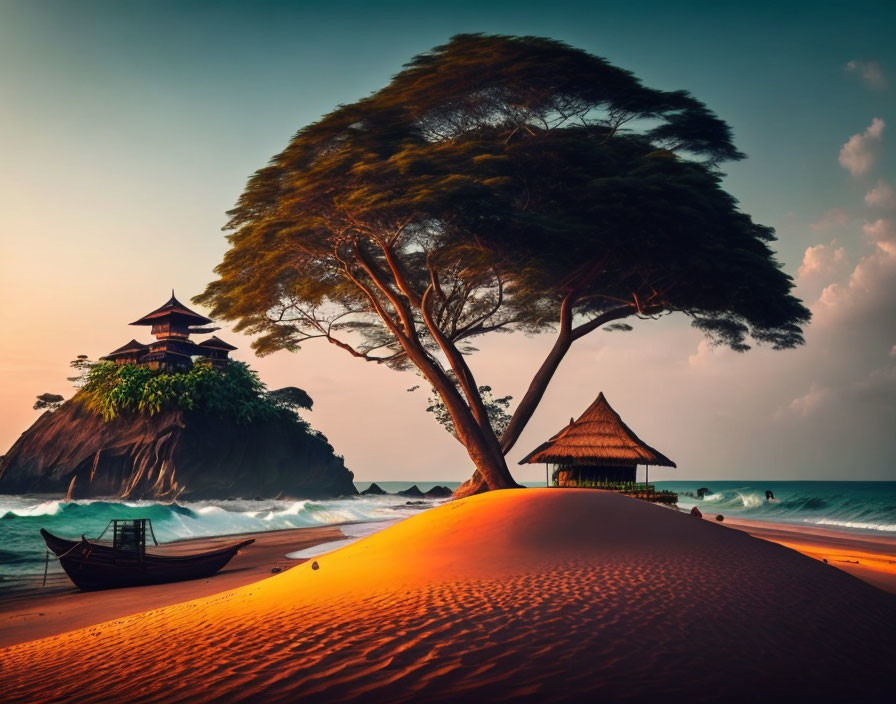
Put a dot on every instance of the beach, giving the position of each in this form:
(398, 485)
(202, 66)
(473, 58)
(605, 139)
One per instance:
(541, 595)
(32, 610)
(868, 557)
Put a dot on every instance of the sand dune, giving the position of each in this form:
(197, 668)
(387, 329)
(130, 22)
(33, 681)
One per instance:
(546, 595)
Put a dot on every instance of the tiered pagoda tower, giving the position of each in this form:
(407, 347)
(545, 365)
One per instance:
(172, 324)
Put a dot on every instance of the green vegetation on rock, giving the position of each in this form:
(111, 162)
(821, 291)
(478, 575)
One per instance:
(234, 392)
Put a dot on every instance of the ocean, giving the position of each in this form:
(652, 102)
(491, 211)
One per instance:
(853, 507)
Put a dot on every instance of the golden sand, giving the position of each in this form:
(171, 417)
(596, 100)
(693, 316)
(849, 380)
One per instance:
(544, 595)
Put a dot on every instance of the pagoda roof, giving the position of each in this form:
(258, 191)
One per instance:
(173, 308)
(598, 437)
(132, 346)
(216, 343)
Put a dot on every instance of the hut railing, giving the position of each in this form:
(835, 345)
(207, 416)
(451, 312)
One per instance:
(638, 490)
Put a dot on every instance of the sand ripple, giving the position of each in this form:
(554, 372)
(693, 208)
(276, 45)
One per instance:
(535, 595)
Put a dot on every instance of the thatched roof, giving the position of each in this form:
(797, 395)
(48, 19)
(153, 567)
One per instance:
(598, 437)
(173, 309)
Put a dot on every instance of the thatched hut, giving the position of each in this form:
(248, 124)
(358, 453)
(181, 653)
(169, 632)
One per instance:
(598, 449)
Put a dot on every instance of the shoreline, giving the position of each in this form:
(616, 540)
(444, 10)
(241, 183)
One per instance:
(518, 595)
(871, 558)
(29, 611)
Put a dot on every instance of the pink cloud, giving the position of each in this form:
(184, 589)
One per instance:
(870, 72)
(860, 150)
(870, 292)
(821, 259)
(882, 232)
(881, 196)
(835, 217)
(817, 397)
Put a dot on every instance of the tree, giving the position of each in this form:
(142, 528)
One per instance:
(49, 402)
(83, 366)
(495, 408)
(496, 184)
(290, 398)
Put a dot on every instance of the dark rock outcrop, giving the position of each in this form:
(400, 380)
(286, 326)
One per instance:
(374, 490)
(413, 493)
(171, 454)
(438, 492)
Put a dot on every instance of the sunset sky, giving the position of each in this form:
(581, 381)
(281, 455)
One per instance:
(128, 129)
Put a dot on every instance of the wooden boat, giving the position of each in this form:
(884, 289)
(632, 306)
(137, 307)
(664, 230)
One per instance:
(93, 565)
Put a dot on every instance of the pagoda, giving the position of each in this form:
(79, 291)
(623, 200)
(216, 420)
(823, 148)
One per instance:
(172, 324)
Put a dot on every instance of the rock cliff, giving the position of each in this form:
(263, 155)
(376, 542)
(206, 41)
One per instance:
(172, 454)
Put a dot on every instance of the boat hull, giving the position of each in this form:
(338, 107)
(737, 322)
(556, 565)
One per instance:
(92, 566)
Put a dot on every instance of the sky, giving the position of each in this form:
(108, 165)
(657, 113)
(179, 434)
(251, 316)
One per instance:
(128, 129)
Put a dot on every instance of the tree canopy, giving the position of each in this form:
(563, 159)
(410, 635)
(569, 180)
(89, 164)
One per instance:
(499, 183)
(234, 392)
(48, 401)
(290, 398)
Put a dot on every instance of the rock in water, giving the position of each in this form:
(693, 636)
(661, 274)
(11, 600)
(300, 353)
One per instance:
(171, 454)
(438, 492)
(373, 490)
(413, 493)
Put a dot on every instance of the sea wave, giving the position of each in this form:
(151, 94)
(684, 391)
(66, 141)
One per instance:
(860, 525)
(855, 506)
(21, 519)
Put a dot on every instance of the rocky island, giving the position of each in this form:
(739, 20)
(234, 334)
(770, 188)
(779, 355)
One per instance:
(175, 419)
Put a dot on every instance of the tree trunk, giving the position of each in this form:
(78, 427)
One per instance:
(485, 454)
(545, 373)
(535, 392)
(474, 485)
(567, 335)
(480, 442)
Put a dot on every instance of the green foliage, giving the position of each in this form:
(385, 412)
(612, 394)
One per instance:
(290, 398)
(502, 173)
(499, 183)
(496, 408)
(234, 392)
(82, 365)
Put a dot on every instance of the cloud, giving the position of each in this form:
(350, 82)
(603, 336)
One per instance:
(881, 196)
(835, 217)
(880, 381)
(860, 150)
(816, 398)
(708, 355)
(822, 259)
(870, 72)
(870, 293)
(879, 385)
(882, 232)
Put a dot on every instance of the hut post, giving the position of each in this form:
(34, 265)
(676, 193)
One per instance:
(546, 475)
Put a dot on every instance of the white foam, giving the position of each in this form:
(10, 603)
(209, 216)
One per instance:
(322, 549)
(859, 525)
(45, 508)
(750, 500)
(354, 533)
